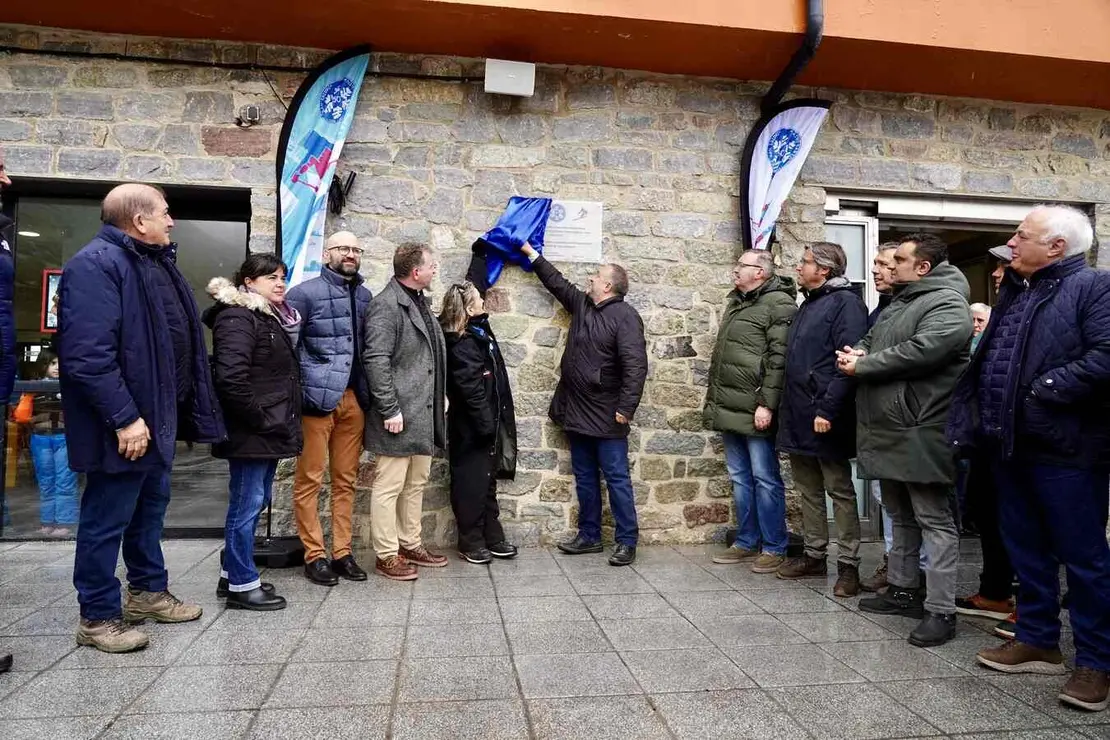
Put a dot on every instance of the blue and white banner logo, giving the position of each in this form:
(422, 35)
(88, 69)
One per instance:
(312, 137)
(772, 161)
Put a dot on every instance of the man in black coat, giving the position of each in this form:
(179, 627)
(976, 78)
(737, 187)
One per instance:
(817, 417)
(603, 372)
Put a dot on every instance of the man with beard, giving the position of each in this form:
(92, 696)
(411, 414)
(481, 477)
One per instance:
(336, 394)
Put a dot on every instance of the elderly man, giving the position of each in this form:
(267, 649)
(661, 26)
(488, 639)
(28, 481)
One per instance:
(1002, 257)
(603, 373)
(980, 316)
(135, 379)
(817, 415)
(745, 387)
(332, 308)
(1035, 401)
(406, 366)
(906, 367)
(7, 340)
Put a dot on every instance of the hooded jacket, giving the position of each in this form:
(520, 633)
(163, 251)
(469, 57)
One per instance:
(915, 353)
(256, 374)
(749, 359)
(117, 357)
(831, 317)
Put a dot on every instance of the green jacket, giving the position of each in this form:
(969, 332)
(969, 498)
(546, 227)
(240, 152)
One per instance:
(915, 353)
(750, 357)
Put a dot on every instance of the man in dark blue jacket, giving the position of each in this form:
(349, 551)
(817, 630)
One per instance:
(336, 396)
(817, 415)
(7, 341)
(1035, 401)
(135, 379)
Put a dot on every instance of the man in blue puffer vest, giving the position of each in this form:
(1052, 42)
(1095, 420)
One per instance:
(336, 396)
(1035, 402)
(135, 380)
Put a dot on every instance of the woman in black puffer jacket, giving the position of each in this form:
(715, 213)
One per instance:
(481, 422)
(257, 379)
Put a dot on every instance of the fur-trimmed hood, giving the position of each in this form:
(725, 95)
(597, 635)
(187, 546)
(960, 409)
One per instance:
(225, 292)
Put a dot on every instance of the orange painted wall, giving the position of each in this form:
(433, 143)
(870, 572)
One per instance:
(1039, 51)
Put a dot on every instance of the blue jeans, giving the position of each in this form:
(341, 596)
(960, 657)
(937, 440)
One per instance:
(249, 490)
(127, 509)
(753, 466)
(588, 455)
(57, 483)
(1051, 515)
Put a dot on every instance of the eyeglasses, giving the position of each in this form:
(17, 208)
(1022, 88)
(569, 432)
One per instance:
(349, 251)
(736, 270)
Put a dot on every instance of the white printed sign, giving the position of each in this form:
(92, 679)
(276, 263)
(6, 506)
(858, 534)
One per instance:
(573, 231)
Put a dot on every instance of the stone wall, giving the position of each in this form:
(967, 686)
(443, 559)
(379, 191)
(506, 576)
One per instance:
(436, 162)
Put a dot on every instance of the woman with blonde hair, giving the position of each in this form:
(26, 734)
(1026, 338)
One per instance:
(481, 422)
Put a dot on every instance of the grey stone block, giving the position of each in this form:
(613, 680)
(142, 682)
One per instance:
(28, 160)
(548, 638)
(77, 693)
(533, 609)
(552, 585)
(595, 718)
(360, 643)
(61, 132)
(454, 611)
(746, 713)
(89, 162)
(988, 182)
(727, 632)
(38, 652)
(675, 443)
(703, 669)
(625, 582)
(665, 633)
(793, 601)
(892, 661)
(70, 728)
(1042, 693)
(461, 679)
(836, 627)
(452, 588)
(850, 711)
(791, 665)
(136, 136)
(455, 640)
(686, 579)
(184, 726)
(334, 684)
(18, 103)
(908, 125)
(495, 719)
(580, 674)
(45, 621)
(333, 723)
(589, 127)
(612, 158)
(965, 705)
(707, 605)
(12, 130)
(629, 606)
(294, 616)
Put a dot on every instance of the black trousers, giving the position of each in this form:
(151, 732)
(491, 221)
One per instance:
(474, 498)
(996, 580)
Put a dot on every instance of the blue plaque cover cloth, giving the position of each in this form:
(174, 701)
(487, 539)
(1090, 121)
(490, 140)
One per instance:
(524, 220)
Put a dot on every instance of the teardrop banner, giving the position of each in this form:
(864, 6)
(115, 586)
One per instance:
(773, 156)
(312, 137)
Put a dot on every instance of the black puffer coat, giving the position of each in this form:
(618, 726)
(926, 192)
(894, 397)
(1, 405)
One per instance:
(256, 374)
(831, 317)
(604, 366)
(481, 416)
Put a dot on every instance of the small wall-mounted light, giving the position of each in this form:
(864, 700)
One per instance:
(510, 78)
(29, 234)
(248, 116)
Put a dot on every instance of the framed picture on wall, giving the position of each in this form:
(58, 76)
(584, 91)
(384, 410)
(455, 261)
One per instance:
(50, 281)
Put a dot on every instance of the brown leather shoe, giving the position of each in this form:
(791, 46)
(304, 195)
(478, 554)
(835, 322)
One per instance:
(877, 582)
(396, 568)
(847, 584)
(1017, 657)
(423, 557)
(1087, 689)
(803, 567)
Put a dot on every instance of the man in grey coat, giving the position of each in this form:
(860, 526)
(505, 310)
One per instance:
(406, 366)
(906, 369)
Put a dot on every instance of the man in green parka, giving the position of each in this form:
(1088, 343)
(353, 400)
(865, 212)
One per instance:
(906, 369)
(745, 385)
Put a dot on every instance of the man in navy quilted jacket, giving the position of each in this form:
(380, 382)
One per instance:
(1036, 402)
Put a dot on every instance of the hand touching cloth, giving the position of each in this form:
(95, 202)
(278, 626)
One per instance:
(524, 221)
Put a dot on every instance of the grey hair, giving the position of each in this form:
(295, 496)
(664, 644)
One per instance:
(1070, 224)
(830, 256)
(979, 307)
(764, 258)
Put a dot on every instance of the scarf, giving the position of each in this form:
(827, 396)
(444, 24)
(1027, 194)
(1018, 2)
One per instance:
(287, 316)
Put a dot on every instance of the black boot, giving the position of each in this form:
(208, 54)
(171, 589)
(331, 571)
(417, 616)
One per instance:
(898, 602)
(503, 550)
(320, 572)
(935, 629)
(580, 545)
(256, 600)
(348, 568)
(222, 588)
(481, 556)
(623, 555)
(5, 662)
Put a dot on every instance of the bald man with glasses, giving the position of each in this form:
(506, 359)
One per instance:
(336, 396)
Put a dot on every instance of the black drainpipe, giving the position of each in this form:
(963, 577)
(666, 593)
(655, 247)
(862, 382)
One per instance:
(815, 28)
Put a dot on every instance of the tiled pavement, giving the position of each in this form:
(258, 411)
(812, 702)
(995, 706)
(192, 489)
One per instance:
(547, 646)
